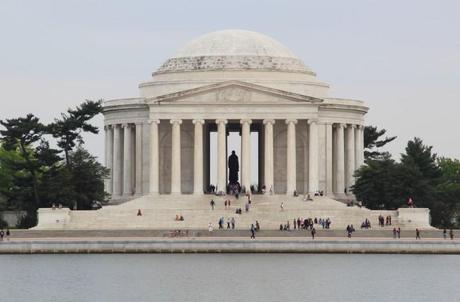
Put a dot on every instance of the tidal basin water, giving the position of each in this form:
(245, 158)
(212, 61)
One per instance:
(229, 277)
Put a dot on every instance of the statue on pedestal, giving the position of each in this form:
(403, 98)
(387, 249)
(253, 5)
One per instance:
(234, 168)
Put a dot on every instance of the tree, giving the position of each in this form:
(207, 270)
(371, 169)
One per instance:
(22, 133)
(33, 175)
(88, 179)
(378, 183)
(6, 175)
(449, 190)
(373, 141)
(68, 129)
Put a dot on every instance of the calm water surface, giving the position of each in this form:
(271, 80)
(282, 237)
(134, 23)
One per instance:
(210, 277)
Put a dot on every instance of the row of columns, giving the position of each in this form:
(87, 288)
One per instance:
(313, 184)
(122, 149)
(349, 141)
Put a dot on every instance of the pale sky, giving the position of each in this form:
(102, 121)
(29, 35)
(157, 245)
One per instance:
(401, 57)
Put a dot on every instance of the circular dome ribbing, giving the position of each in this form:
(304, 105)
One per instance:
(233, 50)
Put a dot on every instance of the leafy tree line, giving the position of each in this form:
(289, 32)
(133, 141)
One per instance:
(34, 175)
(430, 181)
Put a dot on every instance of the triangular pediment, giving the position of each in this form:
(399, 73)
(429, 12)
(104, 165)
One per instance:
(233, 92)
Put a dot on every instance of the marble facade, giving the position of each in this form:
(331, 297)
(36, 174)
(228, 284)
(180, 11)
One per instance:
(159, 143)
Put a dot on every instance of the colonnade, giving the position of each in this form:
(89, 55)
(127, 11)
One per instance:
(344, 154)
(345, 167)
(123, 158)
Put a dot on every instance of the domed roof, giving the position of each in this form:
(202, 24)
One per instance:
(234, 43)
(233, 50)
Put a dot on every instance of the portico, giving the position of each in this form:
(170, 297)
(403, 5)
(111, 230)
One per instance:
(179, 131)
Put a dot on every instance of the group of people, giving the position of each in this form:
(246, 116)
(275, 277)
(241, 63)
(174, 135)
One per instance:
(384, 221)
(366, 224)
(305, 224)
(264, 190)
(228, 202)
(254, 228)
(230, 223)
(350, 229)
(5, 233)
(451, 234)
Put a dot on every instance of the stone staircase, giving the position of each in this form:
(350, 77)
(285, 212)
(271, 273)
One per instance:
(159, 212)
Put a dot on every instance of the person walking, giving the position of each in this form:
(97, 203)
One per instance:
(282, 206)
(399, 233)
(210, 227)
(451, 234)
(313, 233)
(2, 233)
(257, 226)
(221, 223)
(8, 234)
(212, 203)
(349, 231)
(394, 233)
(233, 223)
(417, 234)
(253, 232)
(444, 233)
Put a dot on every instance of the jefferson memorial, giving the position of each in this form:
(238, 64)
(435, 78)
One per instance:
(233, 80)
(168, 147)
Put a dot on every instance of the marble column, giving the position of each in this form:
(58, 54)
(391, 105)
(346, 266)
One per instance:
(291, 157)
(340, 160)
(350, 163)
(117, 164)
(221, 155)
(138, 173)
(127, 160)
(329, 176)
(246, 153)
(359, 146)
(269, 164)
(109, 158)
(198, 157)
(154, 186)
(313, 181)
(175, 157)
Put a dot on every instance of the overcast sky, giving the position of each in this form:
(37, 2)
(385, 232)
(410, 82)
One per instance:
(401, 57)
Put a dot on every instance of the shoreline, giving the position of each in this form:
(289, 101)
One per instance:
(321, 245)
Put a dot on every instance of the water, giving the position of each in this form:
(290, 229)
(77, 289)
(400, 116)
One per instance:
(238, 277)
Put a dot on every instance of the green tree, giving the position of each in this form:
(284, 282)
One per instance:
(373, 140)
(22, 133)
(69, 128)
(421, 176)
(449, 190)
(378, 184)
(88, 179)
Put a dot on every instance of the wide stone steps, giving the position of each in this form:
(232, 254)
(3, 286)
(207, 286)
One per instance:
(159, 212)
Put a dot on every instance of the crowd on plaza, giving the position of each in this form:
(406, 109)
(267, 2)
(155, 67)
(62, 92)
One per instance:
(306, 223)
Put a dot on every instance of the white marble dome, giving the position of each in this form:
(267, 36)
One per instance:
(233, 50)
(234, 43)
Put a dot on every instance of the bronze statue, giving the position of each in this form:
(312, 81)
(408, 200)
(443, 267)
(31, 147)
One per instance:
(234, 168)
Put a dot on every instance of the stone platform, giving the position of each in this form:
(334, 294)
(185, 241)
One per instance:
(159, 212)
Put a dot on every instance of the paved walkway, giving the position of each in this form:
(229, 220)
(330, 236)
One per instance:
(29, 235)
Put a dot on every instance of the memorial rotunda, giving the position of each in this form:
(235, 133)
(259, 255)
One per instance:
(233, 80)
